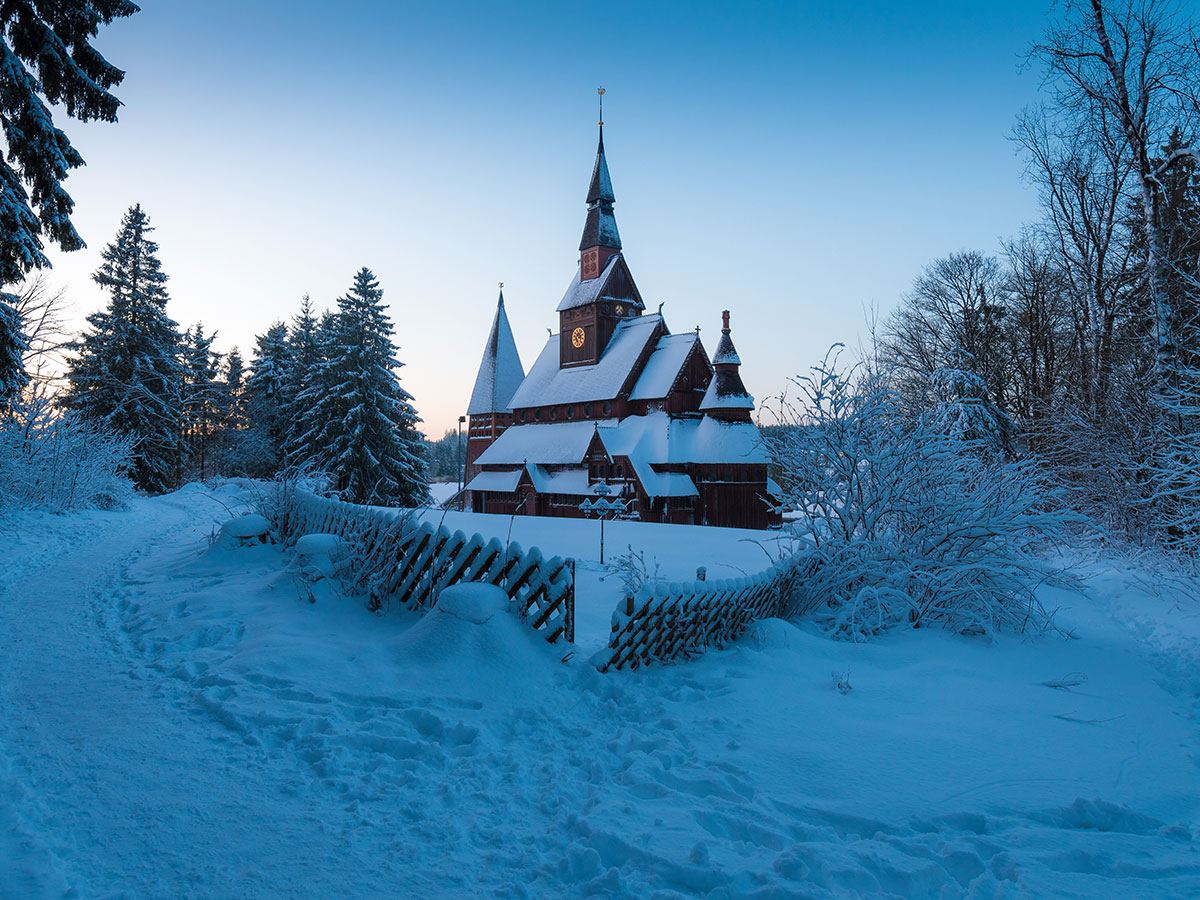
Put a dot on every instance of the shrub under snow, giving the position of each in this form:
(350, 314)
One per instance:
(59, 462)
(909, 524)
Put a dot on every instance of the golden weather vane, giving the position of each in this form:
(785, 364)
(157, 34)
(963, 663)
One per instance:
(600, 91)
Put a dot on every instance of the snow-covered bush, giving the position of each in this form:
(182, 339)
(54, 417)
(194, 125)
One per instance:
(906, 523)
(58, 461)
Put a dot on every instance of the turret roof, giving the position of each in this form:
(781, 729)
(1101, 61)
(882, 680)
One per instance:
(500, 371)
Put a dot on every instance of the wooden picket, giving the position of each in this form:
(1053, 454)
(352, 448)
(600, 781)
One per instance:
(402, 560)
(663, 623)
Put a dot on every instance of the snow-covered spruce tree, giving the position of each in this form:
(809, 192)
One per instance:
(45, 53)
(961, 409)
(126, 372)
(12, 353)
(304, 355)
(233, 393)
(904, 527)
(202, 400)
(265, 402)
(362, 423)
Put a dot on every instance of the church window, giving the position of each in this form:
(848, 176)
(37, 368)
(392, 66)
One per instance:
(537, 415)
(608, 407)
(587, 411)
(553, 413)
(522, 415)
(570, 412)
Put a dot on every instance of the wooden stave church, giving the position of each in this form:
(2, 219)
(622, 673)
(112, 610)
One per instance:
(615, 398)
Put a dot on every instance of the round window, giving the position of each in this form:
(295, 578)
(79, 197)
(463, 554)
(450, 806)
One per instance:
(608, 407)
(537, 415)
(570, 412)
(522, 415)
(587, 411)
(553, 413)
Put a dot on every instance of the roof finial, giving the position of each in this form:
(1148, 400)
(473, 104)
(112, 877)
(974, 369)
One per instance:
(501, 283)
(600, 91)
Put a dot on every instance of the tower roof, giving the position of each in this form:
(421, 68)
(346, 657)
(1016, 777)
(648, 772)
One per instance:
(600, 228)
(601, 186)
(500, 372)
(726, 395)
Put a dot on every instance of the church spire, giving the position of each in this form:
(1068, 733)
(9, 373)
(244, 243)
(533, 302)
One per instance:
(500, 371)
(600, 236)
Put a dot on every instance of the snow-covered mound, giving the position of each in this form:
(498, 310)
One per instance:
(320, 556)
(244, 531)
(473, 630)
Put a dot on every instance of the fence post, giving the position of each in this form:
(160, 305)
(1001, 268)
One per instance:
(570, 629)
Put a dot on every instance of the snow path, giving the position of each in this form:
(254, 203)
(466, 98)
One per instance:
(135, 796)
(177, 722)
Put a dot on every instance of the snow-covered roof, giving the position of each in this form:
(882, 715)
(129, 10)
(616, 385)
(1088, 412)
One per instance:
(559, 443)
(547, 384)
(500, 372)
(563, 481)
(709, 440)
(495, 481)
(646, 441)
(726, 391)
(664, 365)
(660, 438)
(664, 484)
(726, 353)
(581, 293)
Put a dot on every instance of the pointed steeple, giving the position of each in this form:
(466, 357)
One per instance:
(600, 236)
(727, 397)
(500, 372)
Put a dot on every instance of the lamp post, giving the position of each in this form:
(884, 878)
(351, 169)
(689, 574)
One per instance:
(462, 462)
(601, 506)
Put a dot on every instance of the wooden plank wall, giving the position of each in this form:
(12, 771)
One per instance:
(401, 560)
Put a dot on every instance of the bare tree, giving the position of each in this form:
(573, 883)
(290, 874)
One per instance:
(1133, 66)
(955, 304)
(1082, 170)
(1037, 321)
(42, 310)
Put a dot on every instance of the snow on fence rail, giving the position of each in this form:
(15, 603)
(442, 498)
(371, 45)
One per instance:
(662, 622)
(404, 561)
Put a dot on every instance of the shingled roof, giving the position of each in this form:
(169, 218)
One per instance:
(500, 371)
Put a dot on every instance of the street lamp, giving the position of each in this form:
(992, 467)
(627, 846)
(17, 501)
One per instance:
(601, 507)
(462, 463)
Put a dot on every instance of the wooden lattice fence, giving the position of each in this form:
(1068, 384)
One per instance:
(399, 559)
(666, 622)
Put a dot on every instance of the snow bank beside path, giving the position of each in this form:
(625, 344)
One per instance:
(285, 742)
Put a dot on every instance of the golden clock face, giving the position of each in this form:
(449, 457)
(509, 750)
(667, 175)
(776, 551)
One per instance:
(577, 338)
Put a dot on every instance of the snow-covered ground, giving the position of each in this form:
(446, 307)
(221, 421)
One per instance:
(179, 720)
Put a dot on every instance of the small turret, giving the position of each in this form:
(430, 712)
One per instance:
(726, 397)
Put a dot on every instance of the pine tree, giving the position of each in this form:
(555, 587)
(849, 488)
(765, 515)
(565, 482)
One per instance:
(202, 398)
(265, 395)
(12, 350)
(362, 423)
(45, 53)
(304, 355)
(234, 417)
(126, 373)
(962, 410)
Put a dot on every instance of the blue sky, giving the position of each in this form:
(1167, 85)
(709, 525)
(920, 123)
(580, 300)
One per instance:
(792, 162)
